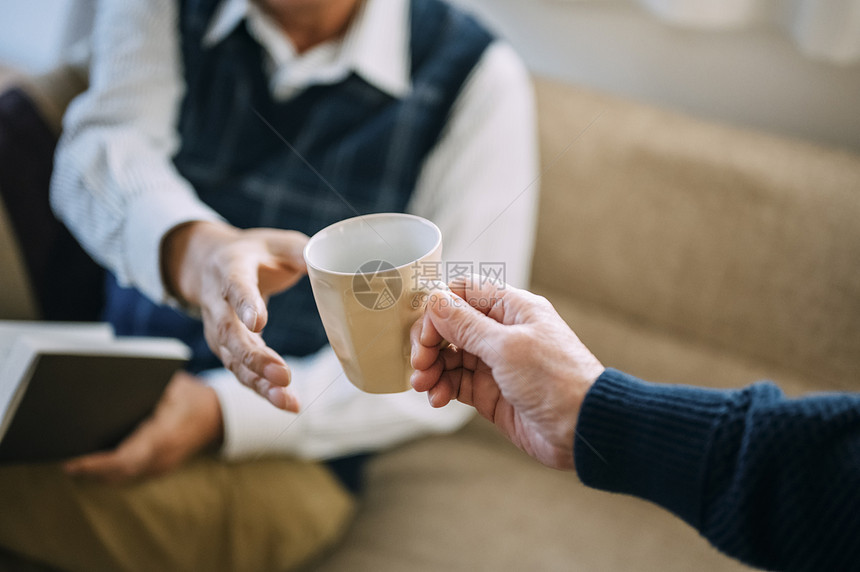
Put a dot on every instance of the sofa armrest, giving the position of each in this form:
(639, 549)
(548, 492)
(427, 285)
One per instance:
(51, 92)
(17, 301)
(64, 281)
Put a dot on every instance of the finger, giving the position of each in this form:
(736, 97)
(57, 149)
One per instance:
(425, 379)
(424, 353)
(480, 291)
(283, 398)
(288, 247)
(498, 300)
(241, 279)
(282, 266)
(484, 393)
(131, 459)
(451, 387)
(462, 325)
(101, 466)
(279, 396)
(430, 336)
(241, 289)
(415, 342)
(448, 367)
(442, 393)
(236, 346)
(454, 358)
(276, 393)
(255, 358)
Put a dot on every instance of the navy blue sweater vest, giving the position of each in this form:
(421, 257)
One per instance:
(331, 152)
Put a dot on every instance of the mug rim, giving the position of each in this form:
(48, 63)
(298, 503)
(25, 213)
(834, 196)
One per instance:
(351, 220)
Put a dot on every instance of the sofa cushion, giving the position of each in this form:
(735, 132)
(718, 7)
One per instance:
(744, 241)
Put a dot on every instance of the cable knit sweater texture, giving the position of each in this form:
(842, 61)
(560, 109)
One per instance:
(771, 481)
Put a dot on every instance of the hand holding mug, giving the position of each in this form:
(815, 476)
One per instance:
(513, 359)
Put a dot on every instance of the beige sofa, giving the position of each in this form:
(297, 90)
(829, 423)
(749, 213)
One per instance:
(680, 251)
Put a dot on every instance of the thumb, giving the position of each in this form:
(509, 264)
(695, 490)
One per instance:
(462, 325)
(288, 246)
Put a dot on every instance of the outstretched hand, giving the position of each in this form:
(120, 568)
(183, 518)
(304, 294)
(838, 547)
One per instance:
(230, 274)
(512, 358)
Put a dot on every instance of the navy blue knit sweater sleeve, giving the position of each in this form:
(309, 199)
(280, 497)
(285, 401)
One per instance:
(772, 481)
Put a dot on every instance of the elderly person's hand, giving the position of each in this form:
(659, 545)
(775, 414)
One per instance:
(186, 421)
(229, 274)
(511, 357)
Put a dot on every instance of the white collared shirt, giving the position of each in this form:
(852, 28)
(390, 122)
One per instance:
(375, 46)
(116, 188)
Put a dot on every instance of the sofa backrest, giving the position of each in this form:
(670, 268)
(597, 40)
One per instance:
(740, 240)
(62, 282)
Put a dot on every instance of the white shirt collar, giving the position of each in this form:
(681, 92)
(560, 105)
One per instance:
(376, 47)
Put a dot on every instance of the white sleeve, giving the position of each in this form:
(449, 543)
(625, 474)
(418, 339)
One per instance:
(478, 185)
(335, 420)
(114, 184)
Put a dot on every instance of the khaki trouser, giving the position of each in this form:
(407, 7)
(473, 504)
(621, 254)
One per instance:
(208, 515)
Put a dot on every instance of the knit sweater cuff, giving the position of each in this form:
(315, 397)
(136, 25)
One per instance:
(647, 440)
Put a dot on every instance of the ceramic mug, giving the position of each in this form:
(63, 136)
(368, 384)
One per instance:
(367, 279)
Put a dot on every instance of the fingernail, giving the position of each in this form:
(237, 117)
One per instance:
(291, 402)
(277, 398)
(277, 374)
(439, 304)
(444, 302)
(249, 318)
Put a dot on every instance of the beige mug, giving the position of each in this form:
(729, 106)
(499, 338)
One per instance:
(371, 276)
